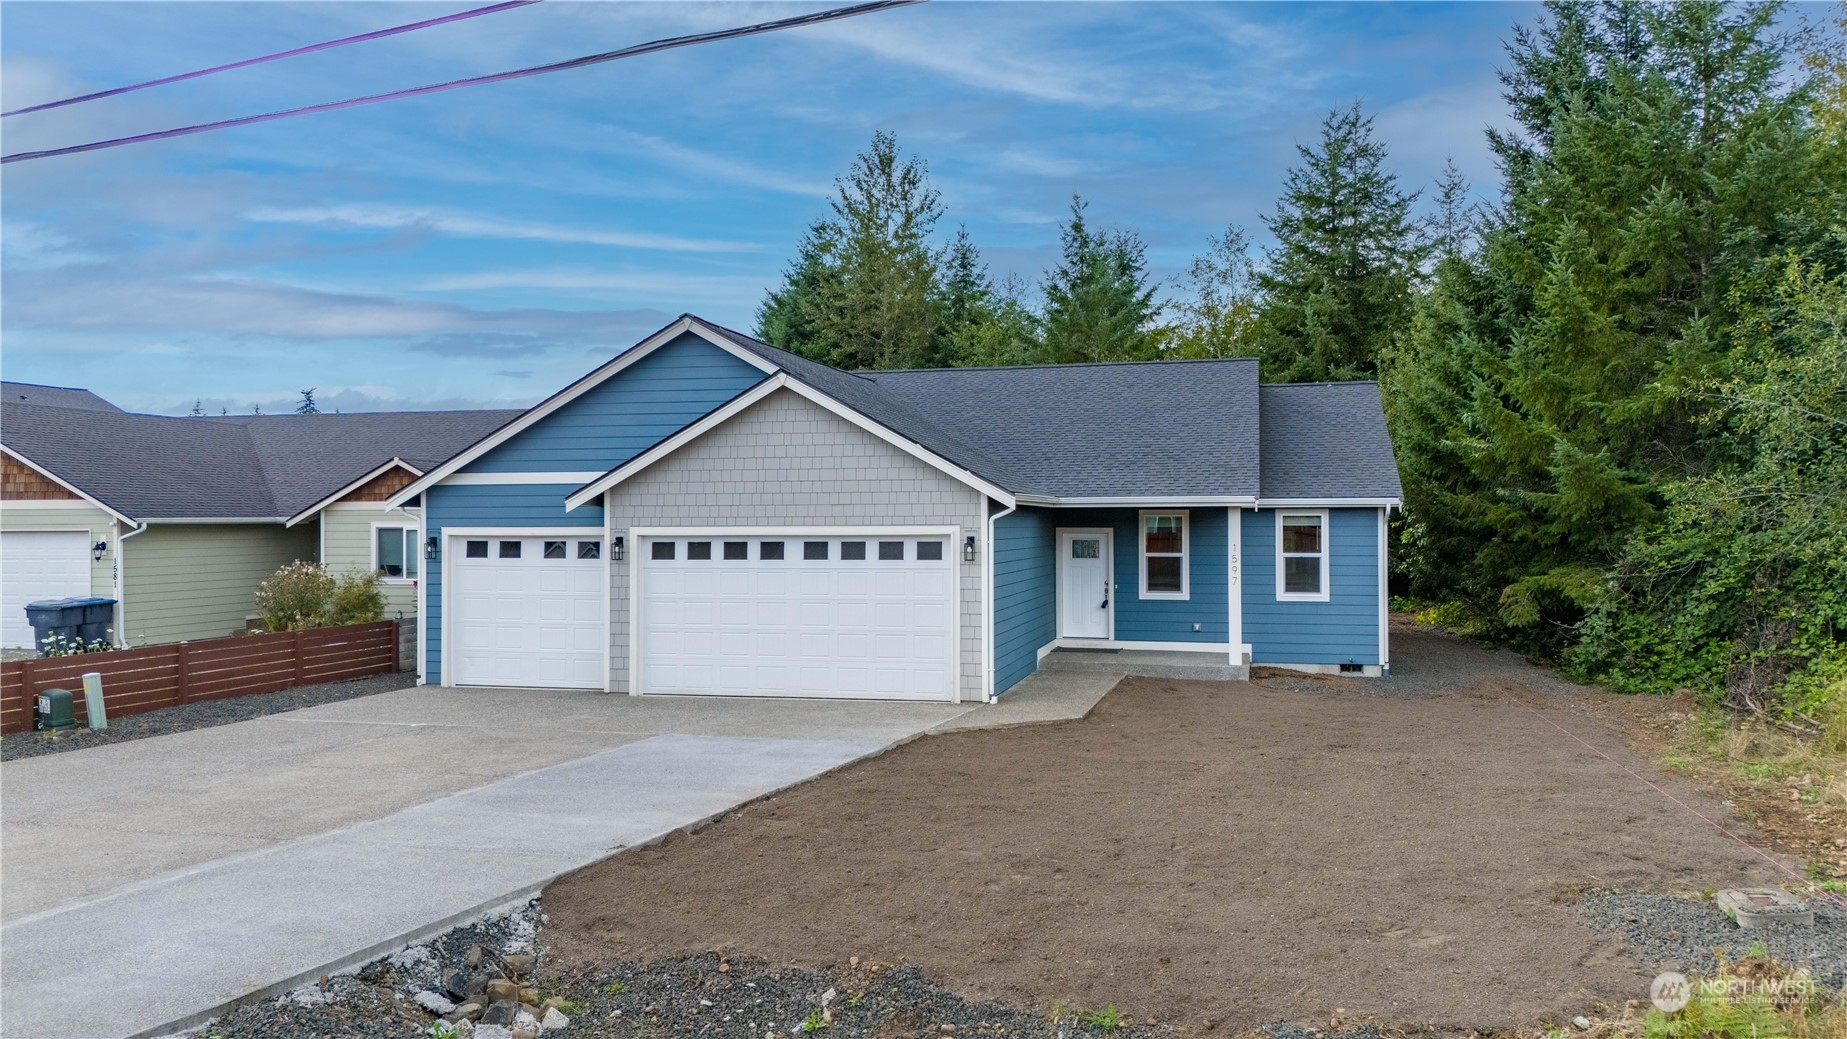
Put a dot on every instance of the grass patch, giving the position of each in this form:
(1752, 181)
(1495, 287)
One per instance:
(1107, 1019)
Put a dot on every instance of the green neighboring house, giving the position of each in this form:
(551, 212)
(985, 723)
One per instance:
(178, 519)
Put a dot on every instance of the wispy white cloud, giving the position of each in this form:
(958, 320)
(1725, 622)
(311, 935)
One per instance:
(270, 310)
(665, 285)
(464, 225)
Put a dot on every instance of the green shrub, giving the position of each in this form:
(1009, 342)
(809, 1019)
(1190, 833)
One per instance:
(358, 598)
(295, 597)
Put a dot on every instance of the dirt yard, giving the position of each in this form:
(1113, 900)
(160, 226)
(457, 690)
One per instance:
(1410, 850)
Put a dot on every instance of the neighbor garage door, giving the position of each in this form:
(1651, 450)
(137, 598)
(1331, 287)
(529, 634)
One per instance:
(825, 615)
(526, 611)
(38, 565)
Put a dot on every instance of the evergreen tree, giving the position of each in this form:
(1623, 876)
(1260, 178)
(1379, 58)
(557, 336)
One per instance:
(980, 323)
(198, 408)
(1450, 229)
(307, 406)
(860, 293)
(1099, 305)
(1549, 390)
(784, 318)
(1337, 287)
(1216, 313)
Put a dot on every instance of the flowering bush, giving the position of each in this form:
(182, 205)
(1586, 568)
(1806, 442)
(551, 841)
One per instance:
(295, 597)
(56, 645)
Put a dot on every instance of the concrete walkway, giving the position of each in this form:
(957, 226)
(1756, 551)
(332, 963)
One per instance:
(148, 884)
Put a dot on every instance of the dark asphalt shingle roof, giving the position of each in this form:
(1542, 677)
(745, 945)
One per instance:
(1176, 429)
(238, 467)
(52, 396)
(1326, 440)
(1161, 428)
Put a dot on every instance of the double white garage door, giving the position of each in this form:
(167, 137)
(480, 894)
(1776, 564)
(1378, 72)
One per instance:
(824, 614)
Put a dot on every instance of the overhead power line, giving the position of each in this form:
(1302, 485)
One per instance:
(279, 55)
(832, 14)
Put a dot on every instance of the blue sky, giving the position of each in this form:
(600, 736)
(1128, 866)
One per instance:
(483, 247)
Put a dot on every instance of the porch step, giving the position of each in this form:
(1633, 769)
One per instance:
(1148, 663)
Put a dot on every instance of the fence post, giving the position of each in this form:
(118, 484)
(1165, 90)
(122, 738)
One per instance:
(183, 676)
(301, 660)
(25, 688)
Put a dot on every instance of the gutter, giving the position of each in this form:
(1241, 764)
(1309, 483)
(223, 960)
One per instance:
(215, 520)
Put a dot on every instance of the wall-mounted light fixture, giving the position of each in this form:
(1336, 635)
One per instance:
(99, 550)
(429, 547)
(615, 548)
(968, 549)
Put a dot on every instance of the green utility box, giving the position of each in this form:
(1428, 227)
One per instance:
(54, 711)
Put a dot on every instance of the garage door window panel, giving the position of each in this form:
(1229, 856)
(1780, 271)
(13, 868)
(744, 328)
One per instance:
(662, 550)
(769, 550)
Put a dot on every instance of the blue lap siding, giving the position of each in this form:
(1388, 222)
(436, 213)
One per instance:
(1343, 630)
(1026, 582)
(632, 411)
(609, 424)
(1025, 612)
(1167, 620)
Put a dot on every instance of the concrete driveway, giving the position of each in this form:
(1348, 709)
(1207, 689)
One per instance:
(147, 884)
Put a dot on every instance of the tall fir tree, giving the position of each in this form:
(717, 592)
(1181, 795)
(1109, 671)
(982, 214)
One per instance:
(1550, 388)
(1099, 303)
(860, 294)
(1338, 285)
(306, 405)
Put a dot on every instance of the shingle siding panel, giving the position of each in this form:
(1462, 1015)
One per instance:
(787, 462)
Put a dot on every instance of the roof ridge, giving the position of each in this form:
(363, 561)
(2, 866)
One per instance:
(1326, 382)
(1059, 366)
(46, 386)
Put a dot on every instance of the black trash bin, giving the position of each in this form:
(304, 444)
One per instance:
(84, 619)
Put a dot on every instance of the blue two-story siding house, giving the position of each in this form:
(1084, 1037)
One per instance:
(708, 515)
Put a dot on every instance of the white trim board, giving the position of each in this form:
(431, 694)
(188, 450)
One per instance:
(681, 325)
(1165, 647)
(66, 484)
(1329, 503)
(1156, 502)
(510, 479)
(394, 463)
(780, 381)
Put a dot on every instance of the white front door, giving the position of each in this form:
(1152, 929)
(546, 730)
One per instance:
(526, 611)
(38, 565)
(868, 615)
(1084, 584)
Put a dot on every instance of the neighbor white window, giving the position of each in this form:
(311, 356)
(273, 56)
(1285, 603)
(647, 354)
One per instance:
(1302, 556)
(1163, 555)
(394, 552)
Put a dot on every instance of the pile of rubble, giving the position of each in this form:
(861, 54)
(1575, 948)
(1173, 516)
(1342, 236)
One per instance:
(491, 997)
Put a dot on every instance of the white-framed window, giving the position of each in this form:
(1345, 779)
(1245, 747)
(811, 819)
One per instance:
(1302, 555)
(394, 552)
(1164, 555)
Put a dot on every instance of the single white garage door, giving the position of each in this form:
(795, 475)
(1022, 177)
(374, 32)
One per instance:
(526, 611)
(38, 565)
(863, 616)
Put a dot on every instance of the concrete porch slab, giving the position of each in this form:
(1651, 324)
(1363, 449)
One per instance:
(1148, 663)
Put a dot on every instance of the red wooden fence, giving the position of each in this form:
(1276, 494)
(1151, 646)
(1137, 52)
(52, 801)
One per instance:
(137, 680)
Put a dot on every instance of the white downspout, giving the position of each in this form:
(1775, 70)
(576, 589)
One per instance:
(118, 584)
(987, 603)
